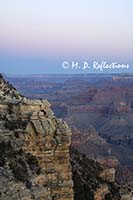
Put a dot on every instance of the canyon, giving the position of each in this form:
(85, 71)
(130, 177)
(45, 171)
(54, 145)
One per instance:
(102, 103)
(36, 160)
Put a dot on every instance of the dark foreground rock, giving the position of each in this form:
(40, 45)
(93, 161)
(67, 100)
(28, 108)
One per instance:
(92, 181)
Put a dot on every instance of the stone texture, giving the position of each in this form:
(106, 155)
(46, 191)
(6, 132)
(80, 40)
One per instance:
(34, 149)
(93, 181)
(108, 174)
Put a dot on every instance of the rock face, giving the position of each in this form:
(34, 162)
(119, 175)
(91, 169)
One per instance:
(91, 180)
(108, 175)
(34, 149)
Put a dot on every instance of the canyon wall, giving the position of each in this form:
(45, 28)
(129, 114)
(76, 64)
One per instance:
(34, 149)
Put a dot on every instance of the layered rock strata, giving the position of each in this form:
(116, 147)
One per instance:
(34, 149)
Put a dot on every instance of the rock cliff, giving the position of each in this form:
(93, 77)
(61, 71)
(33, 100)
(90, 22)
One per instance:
(34, 149)
(92, 181)
(35, 158)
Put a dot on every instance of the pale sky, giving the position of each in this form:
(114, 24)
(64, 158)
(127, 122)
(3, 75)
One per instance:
(37, 35)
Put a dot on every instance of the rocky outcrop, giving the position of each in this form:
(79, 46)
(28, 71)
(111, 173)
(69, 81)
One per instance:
(34, 149)
(92, 181)
(108, 174)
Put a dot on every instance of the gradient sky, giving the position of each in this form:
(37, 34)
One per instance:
(37, 35)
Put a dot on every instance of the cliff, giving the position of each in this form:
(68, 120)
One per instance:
(34, 149)
(92, 181)
(35, 157)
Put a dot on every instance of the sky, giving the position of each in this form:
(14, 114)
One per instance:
(36, 36)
